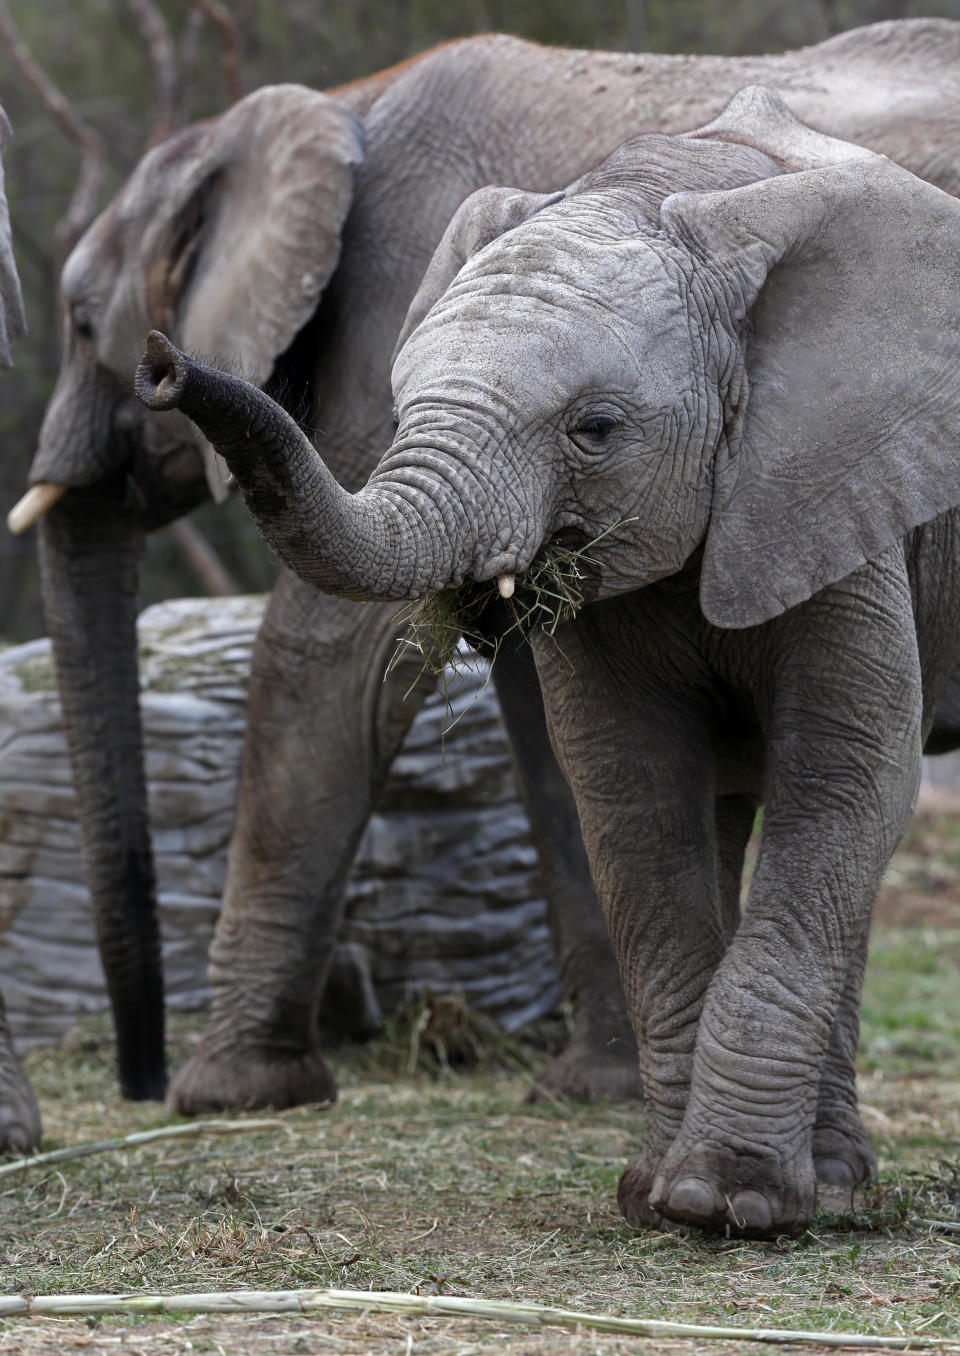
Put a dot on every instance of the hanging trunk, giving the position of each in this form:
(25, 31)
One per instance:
(89, 560)
(401, 536)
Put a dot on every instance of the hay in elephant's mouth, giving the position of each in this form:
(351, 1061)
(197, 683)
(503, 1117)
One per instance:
(550, 591)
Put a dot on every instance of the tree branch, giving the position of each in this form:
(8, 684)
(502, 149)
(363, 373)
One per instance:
(216, 578)
(228, 35)
(83, 204)
(155, 33)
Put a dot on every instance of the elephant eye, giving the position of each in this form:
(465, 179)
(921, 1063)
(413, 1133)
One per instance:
(82, 324)
(592, 430)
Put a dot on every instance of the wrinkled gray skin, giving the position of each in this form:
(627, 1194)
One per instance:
(690, 351)
(290, 236)
(19, 1116)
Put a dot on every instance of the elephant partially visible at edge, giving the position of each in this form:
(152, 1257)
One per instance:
(289, 236)
(726, 366)
(19, 1115)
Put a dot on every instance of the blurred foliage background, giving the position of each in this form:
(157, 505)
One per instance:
(103, 57)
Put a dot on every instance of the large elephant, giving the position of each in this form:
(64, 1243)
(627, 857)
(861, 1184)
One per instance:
(289, 236)
(19, 1116)
(726, 367)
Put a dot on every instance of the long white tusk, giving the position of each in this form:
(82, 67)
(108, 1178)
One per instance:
(37, 501)
(506, 583)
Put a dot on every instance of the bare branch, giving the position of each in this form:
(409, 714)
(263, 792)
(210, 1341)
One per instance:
(189, 43)
(83, 204)
(228, 35)
(155, 33)
(216, 578)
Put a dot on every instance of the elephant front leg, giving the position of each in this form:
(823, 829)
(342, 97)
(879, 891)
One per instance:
(322, 731)
(842, 709)
(842, 1153)
(639, 763)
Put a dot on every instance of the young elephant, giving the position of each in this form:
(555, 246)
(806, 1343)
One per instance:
(727, 362)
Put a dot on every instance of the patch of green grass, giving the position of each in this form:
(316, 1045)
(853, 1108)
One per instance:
(910, 1016)
(36, 674)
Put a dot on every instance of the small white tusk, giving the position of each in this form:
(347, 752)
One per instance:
(37, 501)
(506, 583)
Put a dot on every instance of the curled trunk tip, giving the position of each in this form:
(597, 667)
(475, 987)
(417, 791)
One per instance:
(160, 376)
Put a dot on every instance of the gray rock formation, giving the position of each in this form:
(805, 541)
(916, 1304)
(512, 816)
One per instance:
(444, 892)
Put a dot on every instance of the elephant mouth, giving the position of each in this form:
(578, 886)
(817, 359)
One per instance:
(558, 582)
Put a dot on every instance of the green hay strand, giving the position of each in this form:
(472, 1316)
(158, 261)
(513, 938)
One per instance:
(550, 591)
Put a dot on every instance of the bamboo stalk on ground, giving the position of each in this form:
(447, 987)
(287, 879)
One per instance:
(442, 1306)
(191, 1131)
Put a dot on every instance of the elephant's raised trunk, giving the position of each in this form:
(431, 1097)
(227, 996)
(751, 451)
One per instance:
(392, 539)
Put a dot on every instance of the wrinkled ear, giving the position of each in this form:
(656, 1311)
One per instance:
(480, 219)
(12, 323)
(255, 235)
(845, 284)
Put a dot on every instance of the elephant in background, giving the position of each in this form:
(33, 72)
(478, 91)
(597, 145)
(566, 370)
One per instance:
(19, 1115)
(725, 365)
(289, 236)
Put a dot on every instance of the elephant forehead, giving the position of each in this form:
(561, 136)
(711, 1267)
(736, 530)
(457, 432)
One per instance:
(548, 319)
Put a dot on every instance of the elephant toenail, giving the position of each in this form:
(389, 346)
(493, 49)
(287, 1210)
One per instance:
(691, 1201)
(750, 1211)
(835, 1172)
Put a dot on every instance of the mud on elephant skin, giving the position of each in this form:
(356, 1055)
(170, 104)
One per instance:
(289, 236)
(19, 1115)
(686, 360)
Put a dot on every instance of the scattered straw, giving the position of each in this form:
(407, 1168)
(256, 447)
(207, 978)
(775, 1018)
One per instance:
(439, 1306)
(101, 1146)
(550, 591)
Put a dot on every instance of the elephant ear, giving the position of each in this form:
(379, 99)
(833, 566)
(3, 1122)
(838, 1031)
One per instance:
(479, 220)
(845, 281)
(252, 232)
(12, 324)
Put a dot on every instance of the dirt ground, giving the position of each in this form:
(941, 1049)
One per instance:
(444, 1182)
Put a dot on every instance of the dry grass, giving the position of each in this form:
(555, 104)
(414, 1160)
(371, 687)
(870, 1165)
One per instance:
(432, 1174)
(550, 591)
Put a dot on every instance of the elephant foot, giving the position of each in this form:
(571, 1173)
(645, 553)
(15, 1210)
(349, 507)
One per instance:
(20, 1127)
(633, 1190)
(842, 1154)
(246, 1079)
(735, 1191)
(591, 1070)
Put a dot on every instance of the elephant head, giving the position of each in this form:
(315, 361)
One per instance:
(743, 340)
(226, 234)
